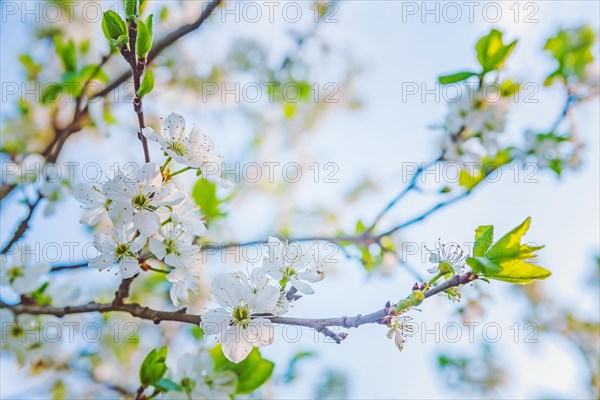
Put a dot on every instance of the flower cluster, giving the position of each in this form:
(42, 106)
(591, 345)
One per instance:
(553, 151)
(149, 215)
(196, 375)
(473, 123)
(247, 300)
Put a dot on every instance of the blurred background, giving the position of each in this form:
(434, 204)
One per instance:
(373, 112)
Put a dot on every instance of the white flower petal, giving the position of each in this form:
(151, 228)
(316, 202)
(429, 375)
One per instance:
(260, 332)
(129, 267)
(235, 346)
(301, 286)
(265, 300)
(215, 322)
(147, 222)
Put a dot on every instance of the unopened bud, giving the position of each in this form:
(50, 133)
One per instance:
(416, 297)
(403, 305)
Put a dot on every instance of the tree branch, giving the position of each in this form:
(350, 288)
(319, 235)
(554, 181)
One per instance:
(23, 226)
(321, 325)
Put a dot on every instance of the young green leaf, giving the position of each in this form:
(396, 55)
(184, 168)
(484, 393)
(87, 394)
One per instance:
(205, 195)
(51, 93)
(520, 272)
(508, 246)
(252, 373)
(147, 84)
(457, 77)
(113, 26)
(491, 51)
(32, 68)
(507, 259)
(166, 385)
(143, 42)
(153, 367)
(149, 24)
(67, 53)
(484, 235)
(573, 51)
(131, 9)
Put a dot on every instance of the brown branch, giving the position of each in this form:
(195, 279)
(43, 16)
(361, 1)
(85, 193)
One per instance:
(321, 325)
(23, 226)
(134, 309)
(137, 67)
(69, 267)
(123, 291)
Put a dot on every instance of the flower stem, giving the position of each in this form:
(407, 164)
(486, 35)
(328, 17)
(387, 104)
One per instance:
(180, 171)
(436, 277)
(165, 164)
(162, 271)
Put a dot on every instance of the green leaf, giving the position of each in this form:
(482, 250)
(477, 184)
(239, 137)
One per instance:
(51, 93)
(205, 195)
(149, 24)
(147, 84)
(197, 332)
(483, 266)
(507, 247)
(252, 373)
(67, 53)
(572, 49)
(457, 77)
(32, 68)
(113, 26)
(167, 385)
(40, 296)
(142, 7)
(143, 42)
(87, 71)
(491, 51)
(508, 88)
(507, 259)
(520, 272)
(469, 180)
(131, 9)
(153, 367)
(290, 374)
(164, 13)
(484, 235)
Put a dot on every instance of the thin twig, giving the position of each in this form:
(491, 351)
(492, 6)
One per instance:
(23, 226)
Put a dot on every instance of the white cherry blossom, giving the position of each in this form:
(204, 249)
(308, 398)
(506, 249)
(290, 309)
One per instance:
(291, 263)
(191, 148)
(188, 215)
(20, 270)
(400, 328)
(173, 245)
(185, 279)
(28, 170)
(121, 246)
(450, 254)
(95, 201)
(196, 375)
(239, 299)
(138, 198)
(477, 111)
(188, 147)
